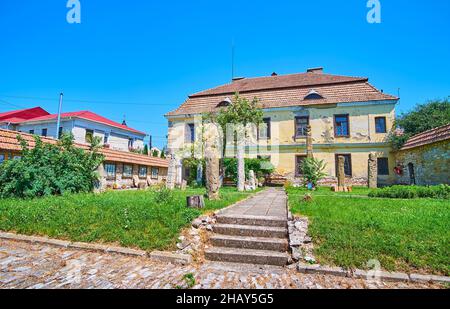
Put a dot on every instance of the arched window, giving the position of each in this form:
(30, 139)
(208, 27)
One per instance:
(313, 95)
(225, 102)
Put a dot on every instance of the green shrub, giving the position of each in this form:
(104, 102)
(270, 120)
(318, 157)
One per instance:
(261, 167)
(49, 169)
(410, 192)
(163, 196)
(313, 170)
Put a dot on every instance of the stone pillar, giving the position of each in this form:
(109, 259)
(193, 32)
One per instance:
(309, 145)
(251, 180)
(212, 162)
(341, 172)
(372, 176)
(179, 173)
(171, 172)
(200, 174)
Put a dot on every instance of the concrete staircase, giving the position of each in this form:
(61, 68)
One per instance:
(249, 239)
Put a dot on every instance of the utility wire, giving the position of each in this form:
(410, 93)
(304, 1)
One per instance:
(85, 101)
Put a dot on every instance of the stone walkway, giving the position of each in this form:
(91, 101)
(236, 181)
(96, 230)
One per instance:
(270, 202)
(25, 265)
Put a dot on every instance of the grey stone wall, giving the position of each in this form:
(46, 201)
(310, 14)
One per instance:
(431, 164)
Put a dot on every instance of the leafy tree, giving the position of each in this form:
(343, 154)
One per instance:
(240, 113)
(49, 169)
(261, 167)
(313, 170)
(155, 153)
(422, 118)
(163, 155)
(146, 150)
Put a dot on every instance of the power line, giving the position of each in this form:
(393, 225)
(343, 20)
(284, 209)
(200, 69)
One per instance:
(85, 101)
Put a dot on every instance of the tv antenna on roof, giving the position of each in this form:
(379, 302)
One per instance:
(232, 59)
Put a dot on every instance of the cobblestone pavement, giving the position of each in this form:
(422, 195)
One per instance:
(270, 202)
(25, 265)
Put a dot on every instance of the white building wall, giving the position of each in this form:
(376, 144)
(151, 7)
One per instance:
(118, 138)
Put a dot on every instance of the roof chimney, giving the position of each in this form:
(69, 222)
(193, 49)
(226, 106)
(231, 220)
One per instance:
(315, 70)
(235, 79)
(274, 74)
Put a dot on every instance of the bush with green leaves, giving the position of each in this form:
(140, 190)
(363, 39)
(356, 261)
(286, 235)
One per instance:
(261, 167)
(421, 118)
(192, 164)
(411, 192)
(49, 169)
(313, 170)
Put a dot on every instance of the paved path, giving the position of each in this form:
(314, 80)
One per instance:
(270, 202)
(25, 265)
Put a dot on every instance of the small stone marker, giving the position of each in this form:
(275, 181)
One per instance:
(251, 181)
(196, 201)
(183, 185)
(200, 174)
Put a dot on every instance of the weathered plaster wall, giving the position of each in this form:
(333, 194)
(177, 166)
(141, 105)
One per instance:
(431, 164)
(283, 146)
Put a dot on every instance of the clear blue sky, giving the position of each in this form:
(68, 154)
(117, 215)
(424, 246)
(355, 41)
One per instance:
(149, 55)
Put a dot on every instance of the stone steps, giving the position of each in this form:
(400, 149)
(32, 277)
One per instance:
(252, 220)
(249, 256)
(255, 243)
(250, 230)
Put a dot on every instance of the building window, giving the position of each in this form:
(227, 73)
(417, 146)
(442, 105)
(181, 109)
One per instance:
(265, 158)
(110, 169)
(130, 143)
(341, 126)
(155, 172)
(264, 129)
(383, 166)
(106, 138)
(347, 164)
(142, 171)
(89, 136)
(380, 125)
(301, 124)
(127, 171)
(60, 133)
(44, 132)
(2, 158)
(17, 157)
(31, 131)
(190, 133)
(299, 165)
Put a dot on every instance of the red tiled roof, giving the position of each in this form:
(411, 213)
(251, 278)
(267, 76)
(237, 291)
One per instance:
(286, 90)
(18, 116)
(428, 137)
(89, 116)
(279, 81)
(9, 142)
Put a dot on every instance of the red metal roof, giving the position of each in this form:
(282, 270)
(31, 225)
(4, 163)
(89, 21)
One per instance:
(19, 116)
(428, 137)
(88, 116)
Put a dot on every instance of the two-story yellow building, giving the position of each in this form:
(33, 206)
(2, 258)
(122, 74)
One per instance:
(348, 116)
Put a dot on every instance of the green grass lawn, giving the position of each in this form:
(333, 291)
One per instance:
(128, 218)
(350, 229)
